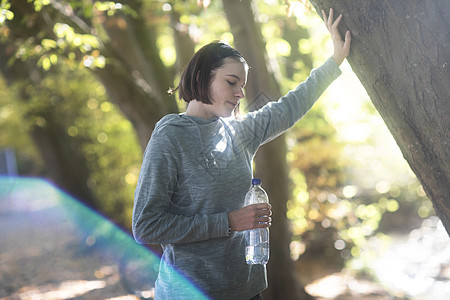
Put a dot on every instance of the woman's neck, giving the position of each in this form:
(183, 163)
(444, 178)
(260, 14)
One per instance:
(198, 109)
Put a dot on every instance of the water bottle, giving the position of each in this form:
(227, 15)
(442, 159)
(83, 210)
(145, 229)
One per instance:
(256, 240)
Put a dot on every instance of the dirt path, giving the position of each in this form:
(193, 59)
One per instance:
(43, 254)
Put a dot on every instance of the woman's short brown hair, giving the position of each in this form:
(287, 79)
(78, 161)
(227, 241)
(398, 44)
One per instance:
(198, 74)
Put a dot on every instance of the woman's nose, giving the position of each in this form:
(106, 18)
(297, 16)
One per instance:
(240, 93)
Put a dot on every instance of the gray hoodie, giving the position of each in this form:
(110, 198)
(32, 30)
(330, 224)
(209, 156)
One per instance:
(194, 172)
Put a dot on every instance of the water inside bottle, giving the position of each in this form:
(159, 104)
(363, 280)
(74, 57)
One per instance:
(257, 251)
(258, 254)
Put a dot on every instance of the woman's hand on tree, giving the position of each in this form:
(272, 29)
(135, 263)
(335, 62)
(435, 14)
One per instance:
(250, 217)
(341, 47)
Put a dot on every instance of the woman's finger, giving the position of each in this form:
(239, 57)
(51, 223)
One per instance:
(264, 222)
(325, 18)
(330, 18)
(266, 211)
(347, 41)
(336, 22)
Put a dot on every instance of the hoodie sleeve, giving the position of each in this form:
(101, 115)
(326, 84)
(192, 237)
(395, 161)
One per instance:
(276, 117)
(152, 222)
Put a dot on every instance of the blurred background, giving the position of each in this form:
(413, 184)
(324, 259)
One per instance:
(77, 105)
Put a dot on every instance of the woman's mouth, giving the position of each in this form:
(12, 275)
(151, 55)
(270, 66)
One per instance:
(234, 104)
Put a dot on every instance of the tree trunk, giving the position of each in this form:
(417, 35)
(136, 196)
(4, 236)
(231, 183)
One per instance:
(64, 160)
(184, 45)
(400, 54)
(135, 77)
(271, 165)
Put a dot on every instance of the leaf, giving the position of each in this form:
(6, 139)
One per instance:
(48, 44)
(46, 64)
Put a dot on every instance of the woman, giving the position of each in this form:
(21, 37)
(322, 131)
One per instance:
(197, 169)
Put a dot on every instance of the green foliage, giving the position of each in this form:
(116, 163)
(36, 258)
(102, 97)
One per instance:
(317, 173)
(108, 141)
(90, 122)
(38, 4)
(14, 132)
(66, 39)
(5, 13)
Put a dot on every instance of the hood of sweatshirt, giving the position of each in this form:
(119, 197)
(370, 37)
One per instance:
(213, 137)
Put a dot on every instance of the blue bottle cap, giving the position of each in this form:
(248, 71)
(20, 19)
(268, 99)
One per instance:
(256, 181)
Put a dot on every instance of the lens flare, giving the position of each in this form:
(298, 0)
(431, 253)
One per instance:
(35, 205)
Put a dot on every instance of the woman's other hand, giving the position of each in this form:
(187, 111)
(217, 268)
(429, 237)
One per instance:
(250, 217)
(341, 47)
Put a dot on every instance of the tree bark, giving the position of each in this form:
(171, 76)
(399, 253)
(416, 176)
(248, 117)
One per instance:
(271, 165)
(400, 54)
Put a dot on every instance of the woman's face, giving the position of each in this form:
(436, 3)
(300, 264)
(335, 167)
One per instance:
(227, 88)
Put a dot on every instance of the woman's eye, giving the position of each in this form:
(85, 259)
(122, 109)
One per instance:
(231, 83)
